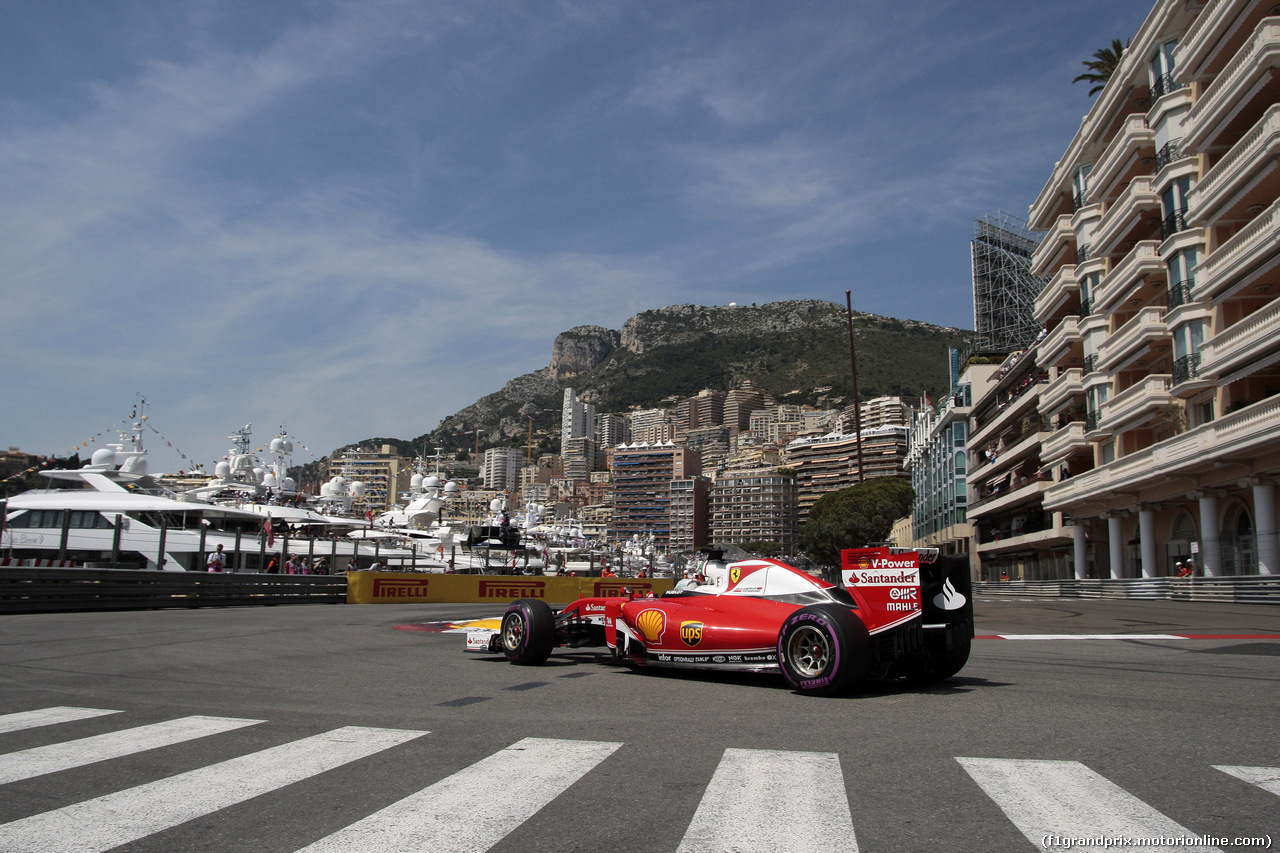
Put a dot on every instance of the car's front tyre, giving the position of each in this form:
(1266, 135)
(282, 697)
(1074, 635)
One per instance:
(528, 632)
(823, 649)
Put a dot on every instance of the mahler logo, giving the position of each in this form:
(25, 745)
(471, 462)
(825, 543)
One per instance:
(691, 633)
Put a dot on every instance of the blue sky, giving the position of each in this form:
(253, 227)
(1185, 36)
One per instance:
(354, 218)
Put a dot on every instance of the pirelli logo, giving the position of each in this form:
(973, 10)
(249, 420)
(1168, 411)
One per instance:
(400, 587)
(513, 589)
(614, 589)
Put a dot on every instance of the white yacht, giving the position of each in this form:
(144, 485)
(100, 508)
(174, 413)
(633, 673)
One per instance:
(111, 513)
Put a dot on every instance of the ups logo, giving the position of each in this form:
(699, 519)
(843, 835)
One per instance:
(691, 633)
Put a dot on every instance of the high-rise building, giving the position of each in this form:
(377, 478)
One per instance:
(642, 476)
(653, 426)
(500, 468)
(743, 399)
(612, 430)
(756, 505)
(830, 462)
(704, 410)
(577, 419)
(1162, 312)
(689, 501)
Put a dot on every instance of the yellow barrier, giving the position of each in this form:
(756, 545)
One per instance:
(404, 587)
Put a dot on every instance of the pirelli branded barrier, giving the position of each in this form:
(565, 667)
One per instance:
(402, 587)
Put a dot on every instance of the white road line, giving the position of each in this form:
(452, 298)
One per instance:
(476, 807)
(1091, 636)
(765, 800)
(1266, 778)
(109, 821)
(1065, 799)
(47, 717)
(28, 763)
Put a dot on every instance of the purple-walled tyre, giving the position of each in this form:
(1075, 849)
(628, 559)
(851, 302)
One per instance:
(528, 632)
(823, 649)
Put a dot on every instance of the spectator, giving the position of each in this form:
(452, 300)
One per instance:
(217, 560)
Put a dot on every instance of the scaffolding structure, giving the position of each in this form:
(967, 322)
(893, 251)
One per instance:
(1004, 290)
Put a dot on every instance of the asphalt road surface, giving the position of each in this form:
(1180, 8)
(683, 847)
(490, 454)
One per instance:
(340, 728)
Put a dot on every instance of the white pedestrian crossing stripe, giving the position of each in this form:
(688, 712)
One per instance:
(40, 760)
(461, 813)
(1065, 799)
(109, 821)
(756, 800)
(745, 807)
(1266, 778)
(47, 717)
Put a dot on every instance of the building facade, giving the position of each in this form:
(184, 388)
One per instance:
(642, 476)
(1162, 312)
(757, 505)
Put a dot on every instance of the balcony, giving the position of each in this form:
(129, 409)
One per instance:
(1243, 348)
(1057, 294)
(1142, 264)
(1060, 345)
(1023, 490)
(1138, 403)
(1132, 341)
(1129, 217)
(1022, 402)
(1244, 177)
(1188, 378)
(1134, 142)
(1063, 444)
(1244, 435)
(1061, 237)
(1248, 77)
(1060, 392)
(1241, 260)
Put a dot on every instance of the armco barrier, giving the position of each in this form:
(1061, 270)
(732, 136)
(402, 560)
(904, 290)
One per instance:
(1236, 590)
(404, 587)
(35, 590)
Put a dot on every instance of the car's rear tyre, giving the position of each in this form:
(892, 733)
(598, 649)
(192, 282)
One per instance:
(528, 632)
(823, 649)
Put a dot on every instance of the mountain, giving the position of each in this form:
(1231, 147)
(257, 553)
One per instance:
(798, 351)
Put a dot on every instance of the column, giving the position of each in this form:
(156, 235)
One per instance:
(1264, 526)
(1210, 560)
(1078, 552)
(1147, 533)
(1115, 542)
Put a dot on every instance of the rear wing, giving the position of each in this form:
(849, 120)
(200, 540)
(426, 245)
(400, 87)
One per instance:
(886, 584)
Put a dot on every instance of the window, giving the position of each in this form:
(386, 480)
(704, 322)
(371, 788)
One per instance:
(1080, 185)
(1161, 71)
(1088, 289)
(1182, 280)
(1173, 203)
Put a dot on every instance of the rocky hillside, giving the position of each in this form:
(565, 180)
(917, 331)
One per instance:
(798, 351)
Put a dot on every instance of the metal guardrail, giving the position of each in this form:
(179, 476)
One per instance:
(1234, 590)
(32, 590)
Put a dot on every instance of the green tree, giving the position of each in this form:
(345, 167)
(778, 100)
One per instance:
(855, 517)
(1102, 66)
(762, 548)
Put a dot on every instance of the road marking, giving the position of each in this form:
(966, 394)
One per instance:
(1065, 799)
(769, 800)
(47, 717)
(28, 763)
(1266, 778)
(109, 821)
(476, 807)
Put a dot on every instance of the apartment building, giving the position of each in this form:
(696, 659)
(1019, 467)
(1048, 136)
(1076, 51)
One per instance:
(938, 463)
(1161, 230)
(642, 477)
(689, 507)
(757, 505)
(829, 462)
(500, 468)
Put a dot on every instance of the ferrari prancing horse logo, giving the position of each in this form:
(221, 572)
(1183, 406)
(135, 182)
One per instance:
(691, 633)
(735, 574)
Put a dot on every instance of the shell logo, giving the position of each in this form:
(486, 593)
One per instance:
(651, 623)
(864, 562)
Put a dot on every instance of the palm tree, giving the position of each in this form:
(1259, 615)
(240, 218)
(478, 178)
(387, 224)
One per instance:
(1102, 66)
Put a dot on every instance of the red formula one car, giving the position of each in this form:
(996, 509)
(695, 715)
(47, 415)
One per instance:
(895, 615)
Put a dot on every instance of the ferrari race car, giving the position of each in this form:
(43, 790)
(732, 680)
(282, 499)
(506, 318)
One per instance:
(898, 613)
